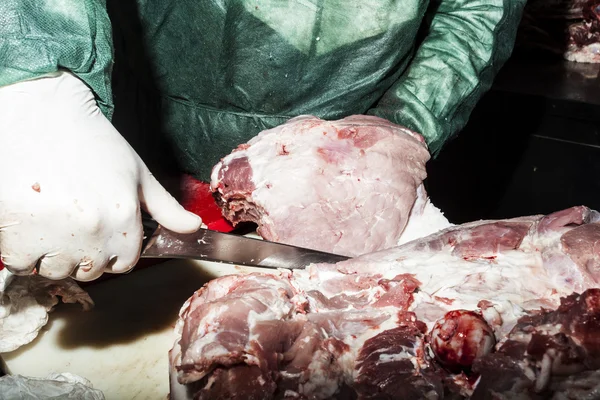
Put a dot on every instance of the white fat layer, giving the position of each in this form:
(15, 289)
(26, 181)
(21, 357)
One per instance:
(324, 377)
(512, 279)
(585, 54)
(424, 220)
(206, 345)
(277, 310)
(406, 354)
(197, 350)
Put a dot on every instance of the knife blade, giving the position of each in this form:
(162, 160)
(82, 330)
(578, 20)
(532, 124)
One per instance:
(210, 245)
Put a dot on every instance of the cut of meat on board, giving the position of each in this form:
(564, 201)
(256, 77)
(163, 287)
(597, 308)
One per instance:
(548, 354)
(438, 317)
(346, 187)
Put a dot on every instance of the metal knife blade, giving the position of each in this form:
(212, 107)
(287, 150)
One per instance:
(228, 248)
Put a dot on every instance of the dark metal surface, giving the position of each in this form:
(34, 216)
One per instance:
(532, 146)
(551, 78)
(232, 249)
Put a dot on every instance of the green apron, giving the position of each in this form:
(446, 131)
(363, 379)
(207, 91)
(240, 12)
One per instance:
(202, 76)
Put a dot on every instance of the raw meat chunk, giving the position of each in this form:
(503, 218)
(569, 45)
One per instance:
(254, 307)
(461, 337)
(346, 187)
(438, 317)
(568, 28)
(548, 354)
(385, 368)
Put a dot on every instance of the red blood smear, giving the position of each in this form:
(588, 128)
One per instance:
(197, 198)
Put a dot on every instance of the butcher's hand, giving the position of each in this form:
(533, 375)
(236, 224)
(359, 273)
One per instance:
(71, 187)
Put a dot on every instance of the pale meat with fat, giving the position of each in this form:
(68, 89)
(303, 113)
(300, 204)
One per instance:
(346, 187)
(568, 28)
(432, 319)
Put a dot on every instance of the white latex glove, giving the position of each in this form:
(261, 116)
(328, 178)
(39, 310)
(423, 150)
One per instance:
(70, 185)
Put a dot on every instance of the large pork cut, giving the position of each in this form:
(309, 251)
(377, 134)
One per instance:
(345, 187)
(439, 317)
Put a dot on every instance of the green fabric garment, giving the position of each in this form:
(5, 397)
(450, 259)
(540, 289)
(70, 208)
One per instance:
(220, 71)
(38, 37)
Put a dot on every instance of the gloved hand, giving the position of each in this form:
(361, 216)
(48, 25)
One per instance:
(71, 187)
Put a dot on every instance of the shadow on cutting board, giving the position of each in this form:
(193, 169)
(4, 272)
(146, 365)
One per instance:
(130, 307)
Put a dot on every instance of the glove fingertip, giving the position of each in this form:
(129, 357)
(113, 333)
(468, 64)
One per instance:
(181, 221)
(164, 208)
(190, 223)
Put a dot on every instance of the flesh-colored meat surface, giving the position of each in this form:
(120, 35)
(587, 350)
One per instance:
(346, 187)
(421, 320)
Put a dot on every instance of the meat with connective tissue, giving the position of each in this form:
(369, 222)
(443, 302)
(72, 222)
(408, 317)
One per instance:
(346, 187)
(568, 28)
(498, 309)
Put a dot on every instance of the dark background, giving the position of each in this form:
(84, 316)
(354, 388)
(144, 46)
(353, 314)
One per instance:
(532, 145)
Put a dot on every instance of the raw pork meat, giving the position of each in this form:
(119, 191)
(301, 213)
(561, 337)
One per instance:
(438, 317)
(569, 28)
(548, 354)
(345, 187)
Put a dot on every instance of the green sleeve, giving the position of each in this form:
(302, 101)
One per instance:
(38, 37)
(466, 44)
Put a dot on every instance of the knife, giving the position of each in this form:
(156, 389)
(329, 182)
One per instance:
(229, 248)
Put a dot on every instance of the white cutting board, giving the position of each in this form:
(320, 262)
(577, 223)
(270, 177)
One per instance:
(120, 345)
